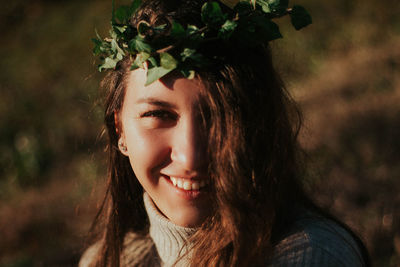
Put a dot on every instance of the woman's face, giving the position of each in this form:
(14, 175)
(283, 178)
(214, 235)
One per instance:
(160, 126)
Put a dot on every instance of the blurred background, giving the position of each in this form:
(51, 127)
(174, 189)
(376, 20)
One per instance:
(343, 70)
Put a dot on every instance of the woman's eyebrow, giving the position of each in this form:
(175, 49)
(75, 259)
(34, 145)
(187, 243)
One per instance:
(155, 102)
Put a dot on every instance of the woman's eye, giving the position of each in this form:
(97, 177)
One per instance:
(160, 114)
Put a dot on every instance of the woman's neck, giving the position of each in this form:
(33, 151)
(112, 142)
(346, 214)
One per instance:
(171, 240)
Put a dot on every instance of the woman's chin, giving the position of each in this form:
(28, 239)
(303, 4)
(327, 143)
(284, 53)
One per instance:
(188, 220)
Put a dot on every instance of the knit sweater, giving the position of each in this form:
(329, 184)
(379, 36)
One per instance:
(312, 241)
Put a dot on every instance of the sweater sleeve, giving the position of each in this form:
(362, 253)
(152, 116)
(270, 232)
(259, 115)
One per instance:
(137, 250)
(317, 243)
(89, 255)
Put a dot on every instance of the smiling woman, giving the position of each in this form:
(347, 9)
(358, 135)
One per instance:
(159, 125)
(205, 169)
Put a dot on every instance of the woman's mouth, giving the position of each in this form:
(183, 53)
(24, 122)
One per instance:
(187, 184)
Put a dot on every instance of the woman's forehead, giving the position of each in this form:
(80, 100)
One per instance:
(172, 88)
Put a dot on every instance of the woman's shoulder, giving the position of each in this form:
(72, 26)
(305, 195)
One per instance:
(136, 248)
(90, 254)
(316, 241)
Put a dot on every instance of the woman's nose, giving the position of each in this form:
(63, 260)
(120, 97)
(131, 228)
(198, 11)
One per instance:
(188, 146)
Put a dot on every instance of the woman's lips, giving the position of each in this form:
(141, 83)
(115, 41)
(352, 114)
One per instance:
(187, 184)
(188, 188)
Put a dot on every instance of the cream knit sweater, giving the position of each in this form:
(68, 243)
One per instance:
(312, 241)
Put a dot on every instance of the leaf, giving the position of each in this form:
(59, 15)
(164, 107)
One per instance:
(177, 30)
(121, 29)
(167, 61)
(139, 60)
(230, 3)
(243, 7)
(160, 28)
(105, 48)
(143, 27)
(227, 29)
(138, 44)
(134, 67)
(156, 73)
(299, 17)
(97, 46)
(189, 53)
(123, 14)
(116, 49)
(269, 30)
(97, 34)
(259, 30)
(189, 74)
(278, 6)
(152, 62)
(211, 13)
(134, 6)
(109, 63)
(253, 3)
(192, 29)
(264, 6)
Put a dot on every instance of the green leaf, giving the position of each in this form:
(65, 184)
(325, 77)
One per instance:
(192, 29)
(160, 28)
(97, 34)
(138, 44)
(227, 29)
(152, 62)
(259, 30)
(269, 30)
(122, 14)
(109, 63)
(264, 6)
(97, 46)
(189, 53)
(96, 41)
(156, 73)
(114, 33)
(121, 29)
(139, 60)
(189, 74)
(243, 7)
(177, 30)
(134, 6)
(143, 27)
(211, 13)
(299, 17)
(116, 49)
(278, 6)
(134, 67)
(105, 48)
(167, 61)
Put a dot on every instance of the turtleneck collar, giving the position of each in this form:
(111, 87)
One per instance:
(168, 237)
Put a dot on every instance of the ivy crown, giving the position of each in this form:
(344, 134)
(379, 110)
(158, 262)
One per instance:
(172, 46)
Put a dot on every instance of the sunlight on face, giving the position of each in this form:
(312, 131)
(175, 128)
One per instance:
(161, 130)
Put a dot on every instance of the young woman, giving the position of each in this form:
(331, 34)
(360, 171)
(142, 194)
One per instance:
(207, 171)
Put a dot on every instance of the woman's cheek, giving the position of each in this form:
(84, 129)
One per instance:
(147, 148)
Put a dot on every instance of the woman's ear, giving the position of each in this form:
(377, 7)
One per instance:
(121, 137)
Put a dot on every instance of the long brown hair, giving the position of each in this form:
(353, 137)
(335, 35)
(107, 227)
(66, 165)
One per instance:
(255, 164)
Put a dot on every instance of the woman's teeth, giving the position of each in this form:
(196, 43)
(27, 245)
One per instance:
(187, 184)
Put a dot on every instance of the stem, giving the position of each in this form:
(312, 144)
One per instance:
(165, 49)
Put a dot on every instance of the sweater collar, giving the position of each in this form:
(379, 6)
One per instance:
(170, 239)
